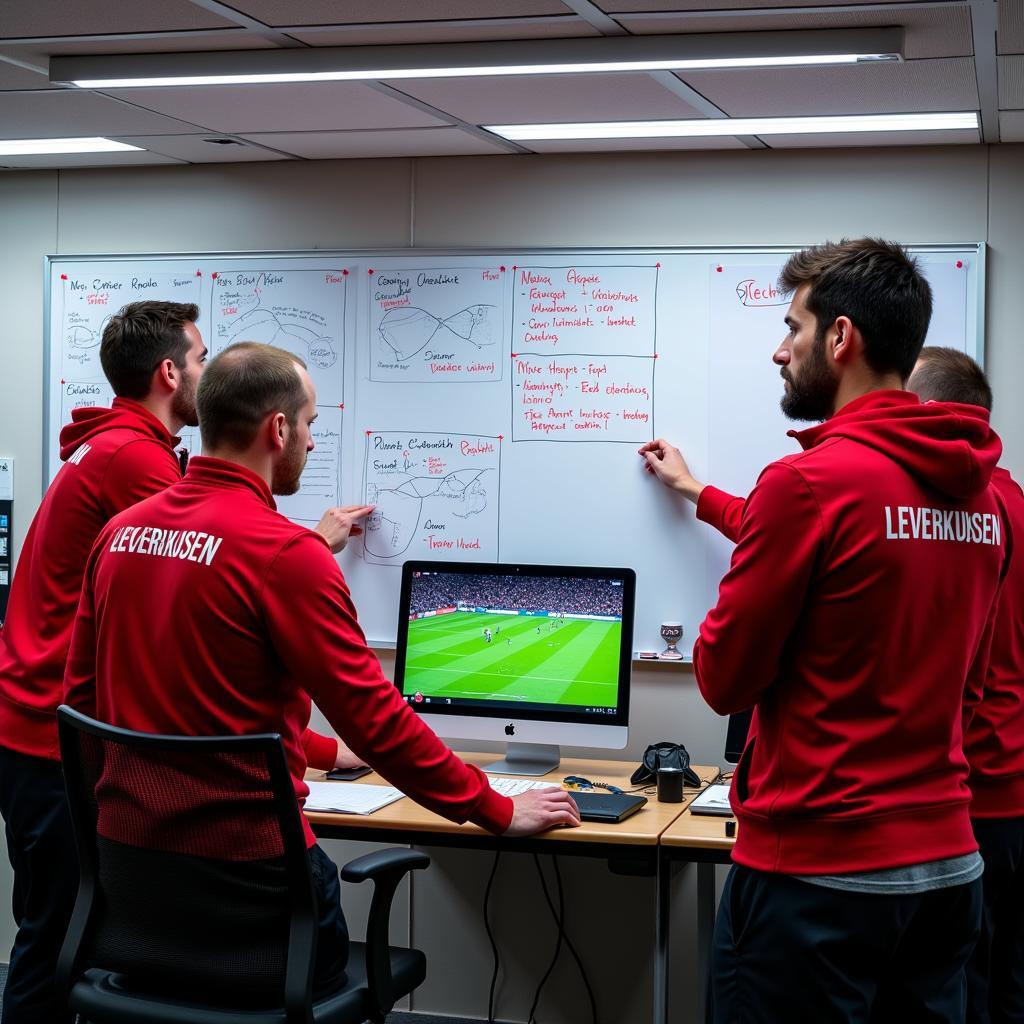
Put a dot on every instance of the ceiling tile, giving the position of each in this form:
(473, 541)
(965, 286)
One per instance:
(56, 160)
(302, 106)
(911, 86)
(93, 17)
(544, 98)
(196, 150)
(631, 145)
(343, 12)
(558, 27)
(930, 31)
(13, 77)
(173, 42)
(844, 140)
(1011, 26)
(1011, 82)
(416, 142)
(1011, 125)
(61, 113)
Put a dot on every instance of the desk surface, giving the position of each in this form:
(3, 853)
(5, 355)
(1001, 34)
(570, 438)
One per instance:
(641, 829)
(698, 832)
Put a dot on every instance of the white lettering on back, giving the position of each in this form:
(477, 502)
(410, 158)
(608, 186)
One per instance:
(910, 522)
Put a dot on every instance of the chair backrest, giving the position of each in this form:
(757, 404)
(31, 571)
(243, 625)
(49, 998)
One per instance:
(194, 871)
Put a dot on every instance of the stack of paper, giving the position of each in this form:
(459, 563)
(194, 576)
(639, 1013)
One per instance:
(350, 797)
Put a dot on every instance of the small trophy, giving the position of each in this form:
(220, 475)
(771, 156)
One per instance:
(671, 633)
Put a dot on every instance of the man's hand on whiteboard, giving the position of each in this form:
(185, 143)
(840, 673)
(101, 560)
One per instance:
(666, 462)
(537, 810)
(340, 523)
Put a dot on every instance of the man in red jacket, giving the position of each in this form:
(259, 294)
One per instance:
(855, 893)
(153, 356)
(262, 623)
(993, 735)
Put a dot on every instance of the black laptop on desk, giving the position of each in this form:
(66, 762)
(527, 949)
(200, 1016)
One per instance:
(607, 807)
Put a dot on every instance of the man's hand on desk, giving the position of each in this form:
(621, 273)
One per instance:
(338, 524)
(539, 809)
(346, 758)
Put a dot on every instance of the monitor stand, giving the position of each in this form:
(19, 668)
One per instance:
(527, 759)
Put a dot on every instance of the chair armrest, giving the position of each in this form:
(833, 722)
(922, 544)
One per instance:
(386, 869)
(376, 864)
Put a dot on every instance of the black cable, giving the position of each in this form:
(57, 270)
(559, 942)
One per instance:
(563, 935)
(490, 937)
(559, 919)
(572, 948)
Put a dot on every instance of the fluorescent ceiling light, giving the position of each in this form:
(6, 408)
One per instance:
(453, 60)
(736, 126)
(483, 71)
(41, 147)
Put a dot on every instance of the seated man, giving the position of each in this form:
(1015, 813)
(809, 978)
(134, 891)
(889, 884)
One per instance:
(204, 611)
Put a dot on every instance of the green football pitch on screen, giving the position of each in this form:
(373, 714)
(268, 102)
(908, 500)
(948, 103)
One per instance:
(570, 662)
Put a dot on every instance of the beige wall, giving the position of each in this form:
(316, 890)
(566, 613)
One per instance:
(955, 194)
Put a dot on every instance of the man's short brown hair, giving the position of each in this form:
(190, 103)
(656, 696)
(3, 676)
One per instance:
(241, 387)
(139, 338)
(878, 285)
(946, 375)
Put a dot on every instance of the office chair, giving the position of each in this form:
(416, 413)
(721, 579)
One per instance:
(170, 926)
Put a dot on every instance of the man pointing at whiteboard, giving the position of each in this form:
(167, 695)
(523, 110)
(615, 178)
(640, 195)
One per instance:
(857, 607)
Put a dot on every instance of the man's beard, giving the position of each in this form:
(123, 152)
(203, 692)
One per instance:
(183, 401)
(287, 472)
(812, 396)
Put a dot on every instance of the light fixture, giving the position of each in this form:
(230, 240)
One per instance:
(45, 147)
(451, 60)
(708, 127)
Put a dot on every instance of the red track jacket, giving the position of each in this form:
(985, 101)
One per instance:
(860, 597)
(112, 459)
(206, 612)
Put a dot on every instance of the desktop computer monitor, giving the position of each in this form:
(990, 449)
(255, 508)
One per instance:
(535, 655)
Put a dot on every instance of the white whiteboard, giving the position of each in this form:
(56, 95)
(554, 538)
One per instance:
(491, 403)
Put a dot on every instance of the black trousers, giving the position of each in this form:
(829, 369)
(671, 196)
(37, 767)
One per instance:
(788, 952)
(995, 972)
(41, 847)
(332, 932)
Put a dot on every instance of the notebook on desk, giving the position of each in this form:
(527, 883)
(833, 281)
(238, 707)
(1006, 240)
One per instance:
(713, 800)
(607, 807)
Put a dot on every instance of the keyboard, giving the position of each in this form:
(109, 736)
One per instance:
(513, 787)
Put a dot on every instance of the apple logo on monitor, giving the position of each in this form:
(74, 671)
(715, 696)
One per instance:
(510, 729)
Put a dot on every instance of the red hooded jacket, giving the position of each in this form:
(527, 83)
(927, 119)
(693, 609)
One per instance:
(112, 459)
(860, 597)
(206, 612)
(994, 731)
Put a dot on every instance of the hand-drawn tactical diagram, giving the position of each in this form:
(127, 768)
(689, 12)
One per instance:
(89, 300)
(436, 324)
(320, 483)
(436, 496)
(302, 311)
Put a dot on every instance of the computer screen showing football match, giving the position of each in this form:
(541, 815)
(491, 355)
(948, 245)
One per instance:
(533, 641)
